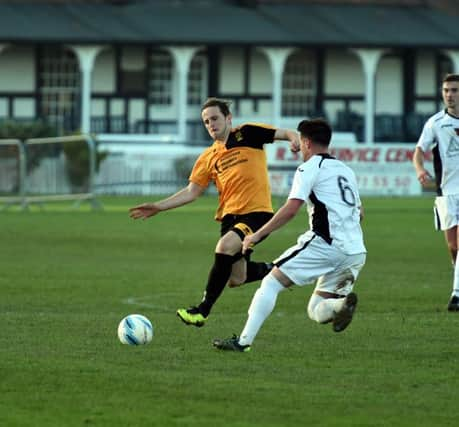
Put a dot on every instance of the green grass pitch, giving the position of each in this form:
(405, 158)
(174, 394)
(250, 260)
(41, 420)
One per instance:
(67, 277)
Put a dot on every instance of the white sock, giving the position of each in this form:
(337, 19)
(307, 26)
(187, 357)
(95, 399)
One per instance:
(322, 310)
(262, 305)
(456, 280)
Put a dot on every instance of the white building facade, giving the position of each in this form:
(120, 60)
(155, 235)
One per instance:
(379, 92)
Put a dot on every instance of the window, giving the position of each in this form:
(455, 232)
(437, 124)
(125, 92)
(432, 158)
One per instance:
(444, 67)
(160, 78)
(133, 71)
(59, 87)
(197, 80)
(299, 85)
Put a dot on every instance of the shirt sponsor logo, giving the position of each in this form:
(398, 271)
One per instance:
(229, 161)
(453, 147)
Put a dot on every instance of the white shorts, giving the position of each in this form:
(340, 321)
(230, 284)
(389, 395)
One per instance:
(313, 259)
(446, 212)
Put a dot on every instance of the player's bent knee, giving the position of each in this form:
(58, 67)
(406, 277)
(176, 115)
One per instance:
(318, 311)
(238, 272)
(313, 301)
(229, 244)
(236, 280)
(312, 313)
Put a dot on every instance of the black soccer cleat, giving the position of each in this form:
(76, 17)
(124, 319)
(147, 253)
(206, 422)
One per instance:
(344, 316)
(231, 344)
(453, 304)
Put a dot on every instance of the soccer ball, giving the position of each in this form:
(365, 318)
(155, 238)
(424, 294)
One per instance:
(135, 329)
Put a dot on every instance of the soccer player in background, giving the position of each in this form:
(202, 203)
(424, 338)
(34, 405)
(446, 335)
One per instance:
(236, 163)
(330, 253)
(441, 135)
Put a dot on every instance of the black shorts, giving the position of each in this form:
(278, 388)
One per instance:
(245, 224)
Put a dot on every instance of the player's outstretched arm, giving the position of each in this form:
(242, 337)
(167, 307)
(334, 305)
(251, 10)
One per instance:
(182, 197)
(281, 217)
(289, 135)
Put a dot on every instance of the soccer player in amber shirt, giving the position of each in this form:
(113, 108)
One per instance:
(236, 164)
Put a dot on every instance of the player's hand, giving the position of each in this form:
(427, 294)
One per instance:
(248, 243)
(424, 177)
(295, 145)
(144, 211)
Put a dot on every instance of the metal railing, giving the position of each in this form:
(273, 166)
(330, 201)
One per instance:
(24, 196)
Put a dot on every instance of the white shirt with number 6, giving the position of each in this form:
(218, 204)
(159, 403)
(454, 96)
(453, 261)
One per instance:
(329, 189)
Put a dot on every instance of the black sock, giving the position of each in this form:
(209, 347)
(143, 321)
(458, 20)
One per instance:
(218, 276)
(257, 270)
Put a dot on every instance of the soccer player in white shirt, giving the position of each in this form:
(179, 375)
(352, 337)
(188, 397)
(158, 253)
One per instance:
(330, 253)
(441, 135)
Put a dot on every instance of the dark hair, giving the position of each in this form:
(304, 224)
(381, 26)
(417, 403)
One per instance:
(318, 130)
(451, 78)
(223, 104)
